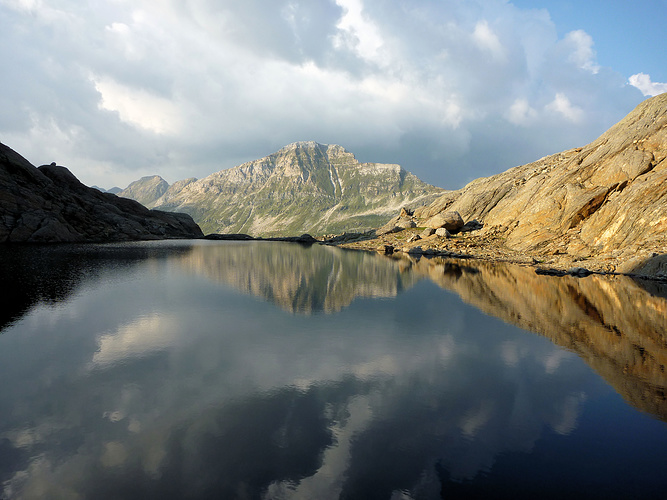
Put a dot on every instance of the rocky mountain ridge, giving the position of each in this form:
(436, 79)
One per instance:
(604, 197)
(48, 204)
(303, 187)
(603, 205)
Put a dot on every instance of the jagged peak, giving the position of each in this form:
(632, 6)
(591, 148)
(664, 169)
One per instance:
(304, 144)
(313, 145)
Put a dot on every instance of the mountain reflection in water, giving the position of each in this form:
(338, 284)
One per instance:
(147, 375)
(300, 279)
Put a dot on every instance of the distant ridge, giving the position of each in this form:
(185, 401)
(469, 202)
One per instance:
(305, 187)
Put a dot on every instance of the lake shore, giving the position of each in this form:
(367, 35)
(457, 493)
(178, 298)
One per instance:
(489, 246)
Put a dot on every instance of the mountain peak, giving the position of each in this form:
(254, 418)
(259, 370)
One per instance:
(312, 145)
(304, 144)
(303, 187)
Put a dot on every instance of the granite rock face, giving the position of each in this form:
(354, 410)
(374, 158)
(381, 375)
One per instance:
(48, 204)
(607, 198)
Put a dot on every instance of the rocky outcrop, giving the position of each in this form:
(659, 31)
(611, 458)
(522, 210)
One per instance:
(48, 204)
(450, 221)
(305, 187)
(608, 198)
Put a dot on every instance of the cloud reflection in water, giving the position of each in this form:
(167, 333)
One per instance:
(198, 390)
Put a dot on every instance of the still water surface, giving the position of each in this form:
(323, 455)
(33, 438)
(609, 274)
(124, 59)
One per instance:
(199, 369)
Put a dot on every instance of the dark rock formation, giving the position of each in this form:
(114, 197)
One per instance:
(48, 204)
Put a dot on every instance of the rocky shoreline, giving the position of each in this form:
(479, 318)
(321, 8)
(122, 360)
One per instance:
(489, 247)
(412, 244)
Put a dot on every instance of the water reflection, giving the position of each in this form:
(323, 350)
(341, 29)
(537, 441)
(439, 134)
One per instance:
(51, 273)
(616, 326)
(159, 379)
(300, 279)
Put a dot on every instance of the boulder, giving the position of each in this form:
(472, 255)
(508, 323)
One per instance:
(396, 224)
(442, 232)
(452, 221)
(386, 249)
(406, 223)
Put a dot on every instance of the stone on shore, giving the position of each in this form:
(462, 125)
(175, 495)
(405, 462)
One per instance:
(451, 221)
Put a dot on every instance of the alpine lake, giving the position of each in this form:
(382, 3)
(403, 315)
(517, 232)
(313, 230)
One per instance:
(268, 370)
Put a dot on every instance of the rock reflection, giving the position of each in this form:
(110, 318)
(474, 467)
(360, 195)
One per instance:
(52, 273)
(297, 278)
(616, 326)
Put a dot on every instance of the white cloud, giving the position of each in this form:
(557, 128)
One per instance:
(562, 105)
(358, 33)
(521, 113)
(487, 40)
(582, 54)
(188, 88)
(139, 107)
(646, 86)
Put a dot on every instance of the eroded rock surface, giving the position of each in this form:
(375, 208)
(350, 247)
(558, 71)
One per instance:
(608, 198)
(600, 208)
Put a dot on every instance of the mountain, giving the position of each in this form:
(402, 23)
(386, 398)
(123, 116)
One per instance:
(610, 195)
(146, 190)
(49, 204)
(304, 187)
(113, 190)
(604, 204)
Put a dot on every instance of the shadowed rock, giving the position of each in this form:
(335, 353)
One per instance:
(49, 205)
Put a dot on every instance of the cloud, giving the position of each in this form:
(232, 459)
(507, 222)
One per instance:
(579, 45)
(356, 32)
(521, 113)
(648, 88)
(139, 107)
(487, 40)
(186, 89)
(562, 105)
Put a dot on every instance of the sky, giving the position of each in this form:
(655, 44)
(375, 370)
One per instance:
(451, 90)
